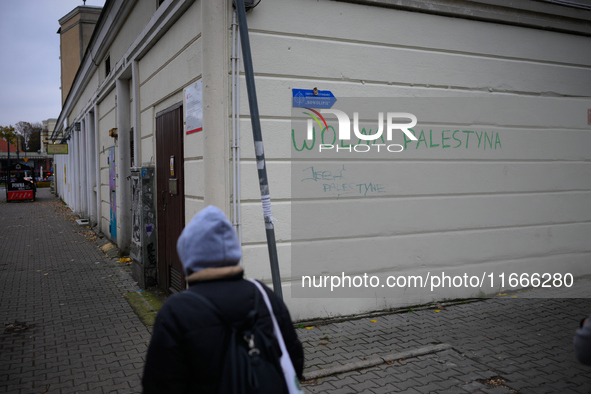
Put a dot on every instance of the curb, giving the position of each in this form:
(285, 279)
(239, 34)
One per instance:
(107, 247)
(376, 360)
(378, 313)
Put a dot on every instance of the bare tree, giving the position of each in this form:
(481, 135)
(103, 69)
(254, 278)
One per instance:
(23, 131)
(28, 132)
(34, 142)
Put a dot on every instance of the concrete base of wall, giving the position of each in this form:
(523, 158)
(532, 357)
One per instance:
(145, 276)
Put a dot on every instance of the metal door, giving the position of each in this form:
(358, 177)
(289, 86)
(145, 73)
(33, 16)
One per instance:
(171, 195)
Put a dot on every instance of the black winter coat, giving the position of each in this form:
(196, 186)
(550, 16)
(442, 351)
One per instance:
(187, 348)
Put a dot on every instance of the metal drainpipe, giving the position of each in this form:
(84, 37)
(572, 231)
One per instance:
(238, 134)
(236, 129)
(135, 83)
(75, 168)
(97, 167)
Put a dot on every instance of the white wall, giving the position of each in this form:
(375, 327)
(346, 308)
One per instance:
(107, 120)
(525, 203)
(97, 90)
(467, 208)
(171, 65)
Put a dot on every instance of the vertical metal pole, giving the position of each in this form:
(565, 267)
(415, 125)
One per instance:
(8, 172)
(258, 147)
(18, 157)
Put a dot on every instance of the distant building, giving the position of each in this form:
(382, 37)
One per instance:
(5, 146)
(46, 132)
(75, 31)
(36, 161)
(515, 198)
(5, 156)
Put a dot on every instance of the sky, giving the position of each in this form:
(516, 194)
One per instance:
(30, 65)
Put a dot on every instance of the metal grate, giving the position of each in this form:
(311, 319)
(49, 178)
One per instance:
(175, 280)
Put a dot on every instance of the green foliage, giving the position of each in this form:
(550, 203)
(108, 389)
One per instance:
(8, 133)
(25, 136)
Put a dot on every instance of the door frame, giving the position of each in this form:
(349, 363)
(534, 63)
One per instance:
(167, 229)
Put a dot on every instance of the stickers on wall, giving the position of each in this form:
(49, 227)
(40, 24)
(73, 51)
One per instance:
(193, 108)
(313, 98)
(150, 229)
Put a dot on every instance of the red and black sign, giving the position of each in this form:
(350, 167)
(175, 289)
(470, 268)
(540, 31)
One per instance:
(20, 187)
(20, 195)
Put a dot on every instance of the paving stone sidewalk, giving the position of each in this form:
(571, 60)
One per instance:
(501, 345)
(66, 326)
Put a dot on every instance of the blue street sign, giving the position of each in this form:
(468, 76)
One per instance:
(306, 98)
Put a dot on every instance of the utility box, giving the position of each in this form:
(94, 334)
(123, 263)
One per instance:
(144, 242)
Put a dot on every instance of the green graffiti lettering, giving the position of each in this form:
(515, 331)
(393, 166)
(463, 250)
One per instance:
(305, 143)
(489, 139)
(406, 139)
(468, 132)
(431, 140)
(497, 141)
(479, 136)
(454, 137)
(421, 138)
(443, 138)
(373, 142)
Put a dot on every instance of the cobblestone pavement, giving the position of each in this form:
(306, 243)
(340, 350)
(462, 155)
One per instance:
(501, 345)
(67, 328)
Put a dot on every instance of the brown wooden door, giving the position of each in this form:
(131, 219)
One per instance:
(171, 195)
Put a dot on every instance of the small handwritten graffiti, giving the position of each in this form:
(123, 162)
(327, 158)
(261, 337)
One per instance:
(335, 181)
(324, 175)
(362, 189)
(151, 253)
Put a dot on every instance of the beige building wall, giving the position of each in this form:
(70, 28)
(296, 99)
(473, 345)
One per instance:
(75, 31)
(171, 65)
(48, 127)
(107, 106)
(505, 197)
(472, 202)
(107, 115)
